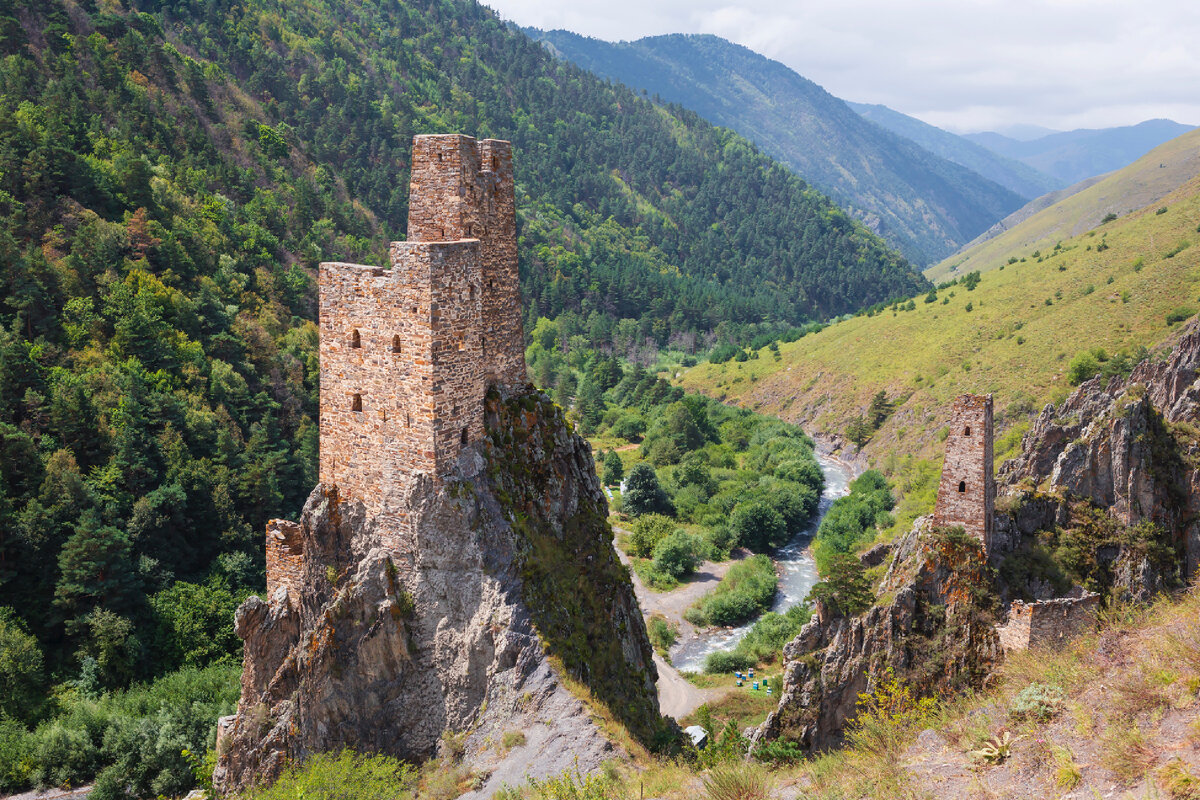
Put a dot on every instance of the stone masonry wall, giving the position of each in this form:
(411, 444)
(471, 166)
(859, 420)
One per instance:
(1049, 621)
(967, 493)
(285, 558)
(463, 189)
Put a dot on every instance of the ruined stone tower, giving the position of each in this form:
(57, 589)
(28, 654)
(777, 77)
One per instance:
(967, 493)
(407, 353)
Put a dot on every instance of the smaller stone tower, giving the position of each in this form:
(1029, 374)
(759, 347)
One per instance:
(967, 493)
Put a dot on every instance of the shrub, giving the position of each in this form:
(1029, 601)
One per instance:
(333, 776)
(737, 780)
(512, 739)
(1180, 314)
(614, 468)
(723, 661)
(1037, 701)
(15, 761)
(758, 526)
(647, 532)
(629, 427)
(662, 633)
(746, 590)
(676, 555)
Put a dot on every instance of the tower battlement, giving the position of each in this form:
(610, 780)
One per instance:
(967, 493)
(407, 352)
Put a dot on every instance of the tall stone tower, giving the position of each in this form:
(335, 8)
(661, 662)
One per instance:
(967, 493)
(407, 353)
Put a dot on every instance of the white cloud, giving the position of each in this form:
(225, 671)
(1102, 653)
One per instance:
(963, 64)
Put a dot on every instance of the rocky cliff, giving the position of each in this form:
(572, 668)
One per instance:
(513, 580)
(934, 629)
(1106, 489)
(1105, 493)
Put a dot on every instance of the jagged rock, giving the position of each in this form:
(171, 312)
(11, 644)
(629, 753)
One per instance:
(1128, 447)
(936, 583)
(513, 579)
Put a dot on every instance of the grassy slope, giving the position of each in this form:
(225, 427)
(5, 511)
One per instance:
(1136, 186)
(926, 357)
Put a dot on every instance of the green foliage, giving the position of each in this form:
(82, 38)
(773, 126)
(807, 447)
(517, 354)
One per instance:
(21, 669)
(193, 627)
(130, 742)
(758, 526)
(333, 776)
(648, 531)
(845, 588)
(567, 786)
(1088, 364)
(643, 494)
(614, 468)
(1038, 702)
(763, 643)
(1180, 314)
(747, 590)
(850, 521)
(662, 634)
(677, 555)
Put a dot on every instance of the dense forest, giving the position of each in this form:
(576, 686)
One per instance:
(171, 174)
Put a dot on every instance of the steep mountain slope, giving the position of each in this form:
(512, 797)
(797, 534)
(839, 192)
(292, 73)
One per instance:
(1009, 173)
(919, 202)
(1074, 155)
(1017, 334)
(1042, 223)
(169, 177)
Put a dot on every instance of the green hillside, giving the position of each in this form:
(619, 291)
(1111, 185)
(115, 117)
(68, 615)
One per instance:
(1019, 334)
(169, 178)
(921, 203)
(1147, 180)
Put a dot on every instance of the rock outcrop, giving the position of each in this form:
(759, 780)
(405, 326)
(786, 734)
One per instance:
(935, 631)
(1129, 449)
(512, 590)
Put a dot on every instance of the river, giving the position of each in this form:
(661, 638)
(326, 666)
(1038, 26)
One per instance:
(797, 574)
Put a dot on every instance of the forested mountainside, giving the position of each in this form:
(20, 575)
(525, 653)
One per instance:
(1009, 173)
(921, 203)
(170, 175)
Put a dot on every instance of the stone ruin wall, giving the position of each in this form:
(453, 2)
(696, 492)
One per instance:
(1048, 622)
(967, 492)
(285, 558)
(407, 352)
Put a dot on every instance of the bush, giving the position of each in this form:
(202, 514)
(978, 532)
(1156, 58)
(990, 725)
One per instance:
(758, 526)
(845, 588)
(131, 741)
(722, 662)
(1038, 702)
(1180, 314)
(614, 468)
(630, 427)
(20, 668)
(676, 555)
(748, 589)
(335, 776)
(647, 532)
(662, 633)
(15, 761)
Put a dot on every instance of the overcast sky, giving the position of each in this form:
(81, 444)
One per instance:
(965, 65)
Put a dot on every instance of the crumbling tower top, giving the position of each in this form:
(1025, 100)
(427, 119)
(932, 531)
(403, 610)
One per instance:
(967, 493)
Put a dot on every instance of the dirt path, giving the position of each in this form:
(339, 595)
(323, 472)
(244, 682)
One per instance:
(676, 696)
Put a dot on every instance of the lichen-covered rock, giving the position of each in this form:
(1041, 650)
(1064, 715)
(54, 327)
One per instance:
(935, 631)
(509, 565)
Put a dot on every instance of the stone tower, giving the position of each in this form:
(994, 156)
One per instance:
(408, 352)
(967, 493)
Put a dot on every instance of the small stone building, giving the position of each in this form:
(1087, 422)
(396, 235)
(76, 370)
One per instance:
(967, 493)
(1049, 622)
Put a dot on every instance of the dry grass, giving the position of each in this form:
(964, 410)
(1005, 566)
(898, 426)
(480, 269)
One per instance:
(737, 780)
(1126, 752)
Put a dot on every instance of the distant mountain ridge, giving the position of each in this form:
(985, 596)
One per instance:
(1008, 172)
(923, 204)
(1075, 155)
